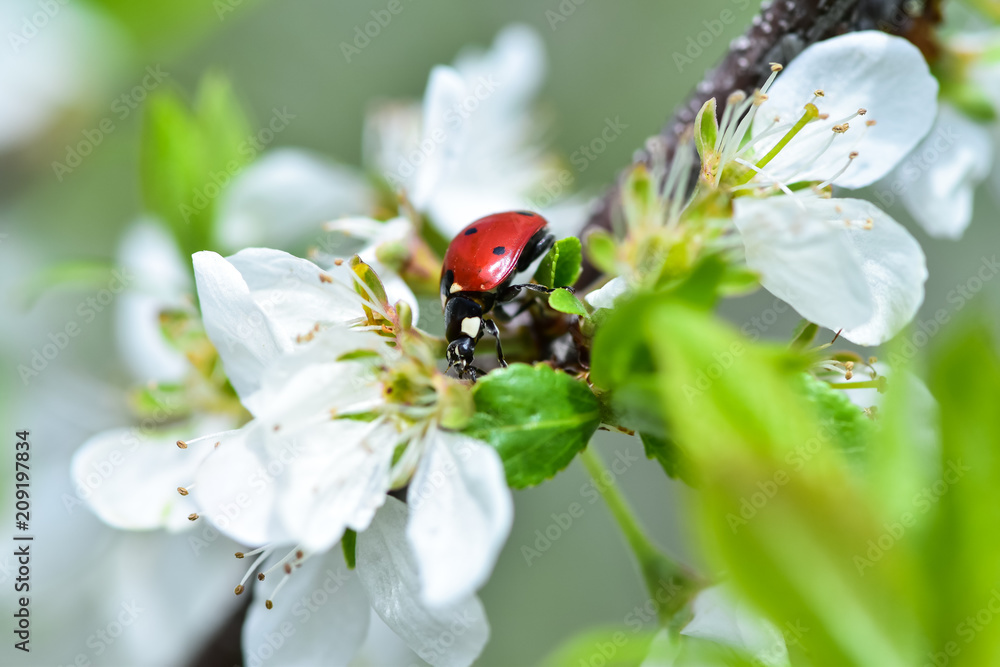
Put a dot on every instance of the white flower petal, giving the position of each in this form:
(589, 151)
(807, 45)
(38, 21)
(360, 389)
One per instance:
(937, 180)
(245, 338)
(883, 74)
(816, 255)
(291, 293)
(719, 619)
(256, 303)
(320, 617)
(445, 92)
(461, 512)
(130, 477)
(335, 476)
(478, 148)
(309, 380)
(446, 637)
(392, 132)
(236, 489)
(374, 234)
(606, 296)
(285, 196)
(159, 281)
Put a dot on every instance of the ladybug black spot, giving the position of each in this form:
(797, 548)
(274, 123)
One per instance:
(527, 213)
(471, 230)
(499, 250)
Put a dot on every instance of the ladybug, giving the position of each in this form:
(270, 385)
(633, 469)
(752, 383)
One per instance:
(478, 273)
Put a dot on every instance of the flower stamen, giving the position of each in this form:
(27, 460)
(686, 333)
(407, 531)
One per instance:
(264, 553)
(810, 114)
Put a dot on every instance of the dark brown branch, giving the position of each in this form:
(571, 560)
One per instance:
(778, 33)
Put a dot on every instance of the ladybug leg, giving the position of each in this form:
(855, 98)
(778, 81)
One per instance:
(511, 292)
(491, 328)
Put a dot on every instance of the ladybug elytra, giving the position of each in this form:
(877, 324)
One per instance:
(478, 273)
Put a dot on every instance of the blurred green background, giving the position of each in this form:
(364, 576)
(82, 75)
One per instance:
(607, 60)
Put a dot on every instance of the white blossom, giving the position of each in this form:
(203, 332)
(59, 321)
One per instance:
(331, 435)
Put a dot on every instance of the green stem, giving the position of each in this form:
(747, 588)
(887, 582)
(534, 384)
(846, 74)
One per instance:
(669, 584)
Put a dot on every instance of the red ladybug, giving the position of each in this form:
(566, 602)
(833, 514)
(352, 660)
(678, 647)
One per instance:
(478, 273)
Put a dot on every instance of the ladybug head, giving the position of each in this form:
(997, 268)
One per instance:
(460, 353)
(463, 319)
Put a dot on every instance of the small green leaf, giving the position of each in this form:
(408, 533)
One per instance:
(566, 302)
(706, 128)
(536, 418)
(370, 280)
(671, 457)
(349, 543)
(189, 156)
(356, 355)
(845, 422)
(804, 334)
(602, 250)
(739, 281)
(562, 265)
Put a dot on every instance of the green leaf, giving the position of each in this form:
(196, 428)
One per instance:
(536, 418)
(706, 126)
(566, 302)
(188, 157)
(168, 27)
(779, 511)
(804, 335)
(562, 265)
(602, 251)
(73, 274)
(962, 568)
(349, 544)
(671, 457)
(848, 427)
(607, 646)
(738, 281)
